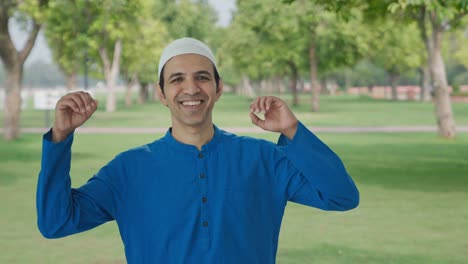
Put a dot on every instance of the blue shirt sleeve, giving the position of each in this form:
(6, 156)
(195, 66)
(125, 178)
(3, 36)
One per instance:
(61, 210)
(323, 181)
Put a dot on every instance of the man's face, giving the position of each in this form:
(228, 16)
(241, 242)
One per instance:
(190, 90)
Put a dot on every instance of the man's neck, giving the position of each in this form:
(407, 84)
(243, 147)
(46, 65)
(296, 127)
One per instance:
(196, 136)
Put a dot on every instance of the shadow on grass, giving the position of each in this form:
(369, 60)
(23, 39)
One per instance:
(327, 253)
(22, 157)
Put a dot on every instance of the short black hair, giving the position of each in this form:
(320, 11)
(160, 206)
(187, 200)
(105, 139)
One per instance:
(161, 78)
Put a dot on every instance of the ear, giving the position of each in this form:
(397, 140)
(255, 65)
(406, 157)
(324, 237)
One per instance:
(219, 89)
(161, 95)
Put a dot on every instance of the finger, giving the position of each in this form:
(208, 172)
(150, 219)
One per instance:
(68, 103)
(86, 101)
(77, 99)
(258, 104)
(256, 120)
(90, 107)
(254, 105)
(269, 102)
(262, 104)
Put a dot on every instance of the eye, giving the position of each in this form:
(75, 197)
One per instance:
(176, 80)
(203, 78)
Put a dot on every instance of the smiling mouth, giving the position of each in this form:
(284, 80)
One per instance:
(191, 103)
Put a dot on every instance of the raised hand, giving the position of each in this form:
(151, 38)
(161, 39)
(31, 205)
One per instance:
(278, 116)
(71, 111)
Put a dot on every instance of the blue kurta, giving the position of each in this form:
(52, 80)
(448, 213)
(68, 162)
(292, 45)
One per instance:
(176, 204)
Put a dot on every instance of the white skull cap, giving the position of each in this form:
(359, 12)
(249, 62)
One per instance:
(184, 46)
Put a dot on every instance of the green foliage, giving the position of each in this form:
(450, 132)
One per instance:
(445, 12)
(443, 15)
(195, 19)
(397, 47)
(143, 45)
(365, 73)
(266, 38)
(76, 28)
(458, 40)
(65, 31)
(27, 10)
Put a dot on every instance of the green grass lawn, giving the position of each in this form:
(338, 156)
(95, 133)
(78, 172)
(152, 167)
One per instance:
(232, 110)
(414, 193)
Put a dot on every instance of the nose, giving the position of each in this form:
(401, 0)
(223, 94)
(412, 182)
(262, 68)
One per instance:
(191, 87)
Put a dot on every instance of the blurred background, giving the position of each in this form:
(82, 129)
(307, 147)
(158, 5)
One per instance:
(384, 83)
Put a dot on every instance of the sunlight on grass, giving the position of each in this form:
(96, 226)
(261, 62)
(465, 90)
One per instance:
(413, 203)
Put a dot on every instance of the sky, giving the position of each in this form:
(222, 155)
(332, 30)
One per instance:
(41, 51)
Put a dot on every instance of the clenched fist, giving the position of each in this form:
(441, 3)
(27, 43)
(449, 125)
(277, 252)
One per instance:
(71, 111)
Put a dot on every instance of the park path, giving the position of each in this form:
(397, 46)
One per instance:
(254, 130)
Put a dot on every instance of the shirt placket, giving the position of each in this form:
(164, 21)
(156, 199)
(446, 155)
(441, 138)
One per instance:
(204, 198)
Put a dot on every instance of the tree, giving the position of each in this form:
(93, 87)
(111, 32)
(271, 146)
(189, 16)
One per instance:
(265, 41)
(396, 48)
(145, 42)
(434, 19)
(112, 20)
(195, 19)
(65, 31)
(31, 12)
(288, 38)
(100, 31)
(334, 43)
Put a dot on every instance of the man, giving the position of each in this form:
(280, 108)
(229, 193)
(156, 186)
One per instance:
(198, 194)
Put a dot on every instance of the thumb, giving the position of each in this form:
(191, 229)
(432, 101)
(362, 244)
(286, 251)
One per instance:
(256, 120)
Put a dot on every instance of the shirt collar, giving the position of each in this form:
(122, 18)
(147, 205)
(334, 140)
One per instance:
(211, 145)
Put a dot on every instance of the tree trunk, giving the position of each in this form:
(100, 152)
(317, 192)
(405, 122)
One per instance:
(12, 110)
(293, 82)
(443, 105)
(393, 78)
(270, 85)
(347, 81)
(301, 85)
(282, 87)
(70, 81)
(428, 43)
(323, 86)
(275, 82)
(155, 92)
(129, 95)
(263, 87)
(247, 87)
(131, 82)
(13, 61)
(143, 93)
(425, 83)
(314, 83)
(111, 72)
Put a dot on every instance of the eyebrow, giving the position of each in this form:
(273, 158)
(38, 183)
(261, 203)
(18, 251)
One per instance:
(177, 74)
(203, 72)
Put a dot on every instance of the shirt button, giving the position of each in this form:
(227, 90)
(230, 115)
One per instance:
(205, 223)
(204, 199)
(200, 155)
(202, 176)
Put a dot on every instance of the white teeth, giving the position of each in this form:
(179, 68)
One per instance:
(191, 103)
